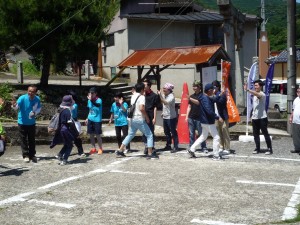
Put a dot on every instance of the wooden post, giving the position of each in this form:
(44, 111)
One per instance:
(100, 65)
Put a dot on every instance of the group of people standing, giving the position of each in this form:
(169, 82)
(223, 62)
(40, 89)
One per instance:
(206, 113)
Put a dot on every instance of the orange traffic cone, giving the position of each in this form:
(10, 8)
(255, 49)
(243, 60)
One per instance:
(182, 127)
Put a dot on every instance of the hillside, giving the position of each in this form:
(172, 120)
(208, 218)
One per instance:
(275, 10)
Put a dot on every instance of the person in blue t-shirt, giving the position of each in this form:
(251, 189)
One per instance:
(94, 120)
(119, 115)
(28, 106)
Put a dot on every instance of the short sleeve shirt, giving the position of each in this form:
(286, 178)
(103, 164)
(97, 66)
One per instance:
(26, 105)
(259, 111)
(95, 112)
(169, 111)
(137, 115)
(120, 117)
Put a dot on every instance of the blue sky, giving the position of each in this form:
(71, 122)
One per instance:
(298, 1)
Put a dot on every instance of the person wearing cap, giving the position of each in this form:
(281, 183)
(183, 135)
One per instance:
(66, 133)
(28, 106)
(94, 120)
(193, 117)
(118, 112)
(259, 117)
(138, 122)
(223, 122)
(169, 116)
(207, 119)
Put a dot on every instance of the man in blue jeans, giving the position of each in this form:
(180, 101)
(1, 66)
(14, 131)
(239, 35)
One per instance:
(193, 115)
(138, 122)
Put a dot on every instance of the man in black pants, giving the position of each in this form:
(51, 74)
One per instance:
(151, 104)
(259, 117)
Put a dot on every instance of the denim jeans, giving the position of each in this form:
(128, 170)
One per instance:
(151, 127)
(143, 127)
(193, 126)
(171, 132)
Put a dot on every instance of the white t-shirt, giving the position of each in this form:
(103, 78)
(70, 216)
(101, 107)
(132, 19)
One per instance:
(137, 115)
(296, 111)
(169, 111)
(259, 110)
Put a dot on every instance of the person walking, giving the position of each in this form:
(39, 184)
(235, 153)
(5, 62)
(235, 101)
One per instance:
(28, 106)
(193, 117)
(295, 121)
(223, 122)
(2, 133)
(169, 116)
(138, 122)
(152, 101)
(207, 120)
(119, 115)
(66, 133)
(94, 120)
(259, 117)
(78, 140)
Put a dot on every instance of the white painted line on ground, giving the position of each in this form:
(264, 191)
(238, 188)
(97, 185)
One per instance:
(264, 183)
(63, 205)
(261, 157)
(17, 198)
(20, 197)
(128, 172)
(211, 222)
(291, 210)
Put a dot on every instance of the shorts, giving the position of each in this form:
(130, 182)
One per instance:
(94, 127)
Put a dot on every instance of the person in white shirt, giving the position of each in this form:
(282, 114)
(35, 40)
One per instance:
(259, 117)
(138, 122)
(295, 121)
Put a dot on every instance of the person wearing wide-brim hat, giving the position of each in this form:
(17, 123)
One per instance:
(66, 133)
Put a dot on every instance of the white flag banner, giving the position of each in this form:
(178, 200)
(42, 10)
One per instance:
(250, 83)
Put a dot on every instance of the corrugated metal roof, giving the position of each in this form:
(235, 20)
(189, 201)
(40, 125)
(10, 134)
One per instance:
(198, 17)
(172, 56)
(283, 57)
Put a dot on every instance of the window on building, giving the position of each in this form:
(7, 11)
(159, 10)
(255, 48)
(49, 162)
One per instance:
(109, 40)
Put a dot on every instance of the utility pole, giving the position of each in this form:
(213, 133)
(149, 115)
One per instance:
(291, 60)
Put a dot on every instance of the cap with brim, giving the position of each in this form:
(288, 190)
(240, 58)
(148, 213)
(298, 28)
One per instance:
(67, 101)
(208, 87)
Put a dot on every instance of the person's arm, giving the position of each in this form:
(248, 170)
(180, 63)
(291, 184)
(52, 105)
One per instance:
(143, 111)
(188, 112)
(291, 117)
(252, 92)
(193, 100)
(111, 118)
(154, 115)
(121, 101)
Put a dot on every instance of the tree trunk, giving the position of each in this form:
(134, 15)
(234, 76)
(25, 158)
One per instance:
(46, 68)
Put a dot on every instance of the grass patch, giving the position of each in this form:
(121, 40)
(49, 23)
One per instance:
(5, 91)
(28, 69)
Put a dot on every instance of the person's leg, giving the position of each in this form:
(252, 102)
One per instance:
(173, 125)
(124, 134)
(256, 129)
(91, 132)
(167, 131)
(31, 141)
(264, 130)
(219, 127)
(132, 130)
(226, 135)
(78, 144)
(199, 130)
(118, 135)
(200, 139)
(98, 132)
(192, 129)
(216, 139)
(296, 136)
(24, 141)
(144, 128)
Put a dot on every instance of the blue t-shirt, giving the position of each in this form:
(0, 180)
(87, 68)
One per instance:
(119, 115)
(95, 112)
(75, 111)
(26, 105)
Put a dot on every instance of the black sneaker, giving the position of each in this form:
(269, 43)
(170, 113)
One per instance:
(192, 154)
(174, 150)
(255, 151)
(152, 156)
(167, 147)
(120, 154)
(34, 159)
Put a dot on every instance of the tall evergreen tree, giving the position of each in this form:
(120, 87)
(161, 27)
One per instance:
(55, 31)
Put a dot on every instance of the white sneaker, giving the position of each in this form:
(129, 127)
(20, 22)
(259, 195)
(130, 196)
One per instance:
(225, 152)
(26, 159)
(125, 151)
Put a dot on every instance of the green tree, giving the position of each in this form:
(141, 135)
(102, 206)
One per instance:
(55, 31)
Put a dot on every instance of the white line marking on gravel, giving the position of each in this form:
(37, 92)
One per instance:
(291, 210)
(17, 198)
(211, 222)
(128, 172)
(264, 183)
(63, 205)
